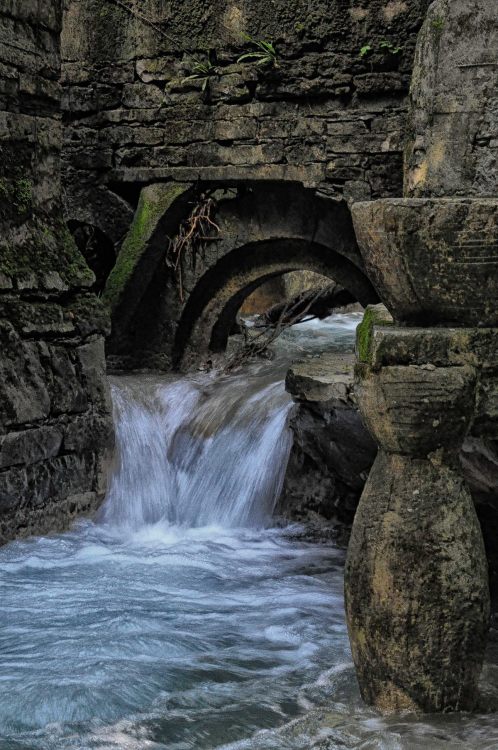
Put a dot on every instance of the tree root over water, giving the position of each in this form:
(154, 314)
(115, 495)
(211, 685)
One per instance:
(310, 305)
(194, 231)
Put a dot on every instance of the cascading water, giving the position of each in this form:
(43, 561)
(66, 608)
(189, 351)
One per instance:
(180, 619)
(192, 455)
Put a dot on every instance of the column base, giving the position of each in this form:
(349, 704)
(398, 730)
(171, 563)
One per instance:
(416, 585)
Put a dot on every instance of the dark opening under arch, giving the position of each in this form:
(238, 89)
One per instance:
(210, 312)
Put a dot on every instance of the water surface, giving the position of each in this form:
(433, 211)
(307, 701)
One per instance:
(181, 619)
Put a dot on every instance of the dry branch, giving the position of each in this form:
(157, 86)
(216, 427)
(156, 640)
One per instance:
(333, 296)
(293, 312)
(197, 229)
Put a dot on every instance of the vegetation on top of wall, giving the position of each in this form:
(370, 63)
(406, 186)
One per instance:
(264, 53)
(386, 47)
(202, 72)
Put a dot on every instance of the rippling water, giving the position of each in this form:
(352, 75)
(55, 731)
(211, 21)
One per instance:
(181, 619)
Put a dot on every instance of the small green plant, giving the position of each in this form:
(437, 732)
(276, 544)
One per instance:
(299, 27)
(202, 72)
(264, 53)
(389, 48)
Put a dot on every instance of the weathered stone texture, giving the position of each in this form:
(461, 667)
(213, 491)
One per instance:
(326, 116)
(52, 370)
(432, 260)
(417, 588)
(453, 144)
(416, 573)
(332, 451)
(161, 317)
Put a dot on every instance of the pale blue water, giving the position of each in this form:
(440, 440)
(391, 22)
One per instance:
(180, 619)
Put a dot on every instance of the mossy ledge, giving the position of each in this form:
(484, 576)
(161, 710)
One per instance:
(374, 315)
(154, 201)
(46, 248)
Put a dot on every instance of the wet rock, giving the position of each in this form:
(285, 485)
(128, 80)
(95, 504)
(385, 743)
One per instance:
(332, 451)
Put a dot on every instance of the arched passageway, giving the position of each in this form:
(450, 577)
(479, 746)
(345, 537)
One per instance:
(263, 230)
(97, 249)
(211, 310)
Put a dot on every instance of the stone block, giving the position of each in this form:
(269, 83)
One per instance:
(66, 392)
(417, 410)
(29, 446)
(25, 395)
(432, 261)
(329, 377)
(142, 95)
(91, 359)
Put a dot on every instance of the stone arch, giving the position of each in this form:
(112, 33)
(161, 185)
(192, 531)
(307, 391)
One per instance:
(97, 248)
(266, 228)
(100, 207)
(212, 307)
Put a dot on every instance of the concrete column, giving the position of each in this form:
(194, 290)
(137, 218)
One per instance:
(416, 576)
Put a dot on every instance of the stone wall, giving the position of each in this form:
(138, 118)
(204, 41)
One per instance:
(453, 126)
(163, 317)
(327, 115)
(55, 425)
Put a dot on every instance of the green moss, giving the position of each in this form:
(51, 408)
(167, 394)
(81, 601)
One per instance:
(154, 201)
(438, 24)
(374, 315)
(17, 194)
(23, 194)
(47, 248)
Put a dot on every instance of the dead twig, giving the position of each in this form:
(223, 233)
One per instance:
(291, 314)
(197, 229)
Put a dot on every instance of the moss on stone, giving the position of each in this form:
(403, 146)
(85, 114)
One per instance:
(4, 190)
(47, 248)
(154, 201)
(374, 315)
(23, 194)
(17, 194)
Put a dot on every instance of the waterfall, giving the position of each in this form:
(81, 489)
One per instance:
(197, 452)
(181, 618)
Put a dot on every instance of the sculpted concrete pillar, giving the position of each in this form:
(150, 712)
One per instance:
(417, 596)
(416, 577)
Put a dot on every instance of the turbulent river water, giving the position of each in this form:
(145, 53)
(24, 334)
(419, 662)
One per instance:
(182, 618)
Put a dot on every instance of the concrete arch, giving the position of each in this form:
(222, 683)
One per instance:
(100, 207)
(265, 229)
(212, 307)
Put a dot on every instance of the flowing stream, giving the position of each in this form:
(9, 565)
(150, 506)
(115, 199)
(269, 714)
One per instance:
(182, 618)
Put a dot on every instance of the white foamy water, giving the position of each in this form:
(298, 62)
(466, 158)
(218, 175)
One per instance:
(180, 619)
